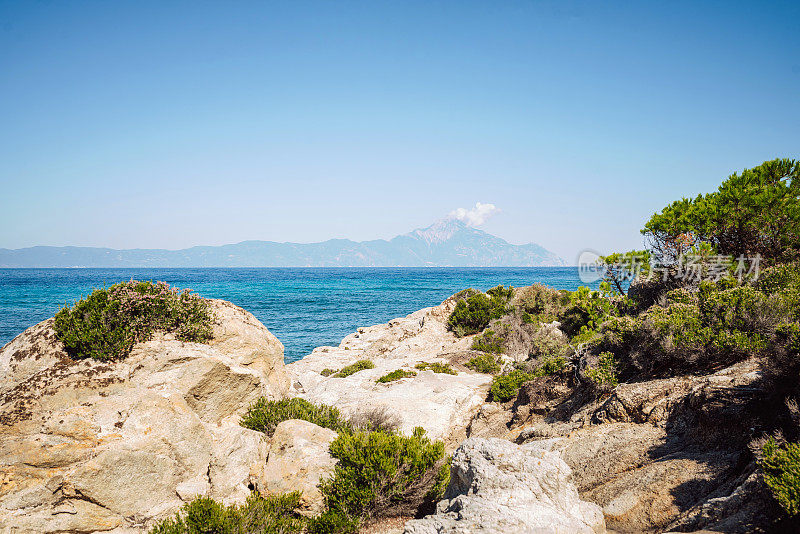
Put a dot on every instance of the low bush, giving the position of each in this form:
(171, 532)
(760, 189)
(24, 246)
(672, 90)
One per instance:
(489, 341)
(484, 363)
(327, 372)
(698, 331)
(380, 474)
(586, 312)
(551, 366)
(473, 313)
(353, 368)
(108, 322)
(395, 375)
(436, 367)
(377, 418)
(274, 514)
(545, 344)
(333, 522)
(505, 387)
(605, 375)
(539, 303)
(264, 415)
(781, 471)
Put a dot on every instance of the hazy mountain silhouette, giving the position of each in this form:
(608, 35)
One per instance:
(447, 242)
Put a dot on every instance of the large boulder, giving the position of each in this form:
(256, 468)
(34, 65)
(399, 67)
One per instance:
(94, 446)
(442, 404)
(497, 486)
(298, 460)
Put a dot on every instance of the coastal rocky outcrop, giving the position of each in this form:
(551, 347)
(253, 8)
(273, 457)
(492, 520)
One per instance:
(497, 486)
(442, 404)
(89, 446)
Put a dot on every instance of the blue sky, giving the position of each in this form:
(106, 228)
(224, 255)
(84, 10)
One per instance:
(171, 124)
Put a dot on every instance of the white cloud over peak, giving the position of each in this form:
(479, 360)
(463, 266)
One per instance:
(475, 216)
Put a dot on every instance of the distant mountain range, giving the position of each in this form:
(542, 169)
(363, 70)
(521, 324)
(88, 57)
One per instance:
(446, 243)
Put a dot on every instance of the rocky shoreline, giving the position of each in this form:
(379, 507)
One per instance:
(90, 446)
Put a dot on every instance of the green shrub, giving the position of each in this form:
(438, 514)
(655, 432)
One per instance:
(682, 295)
(543, 344)
(483, 363)
(275, 514)
(264, 415)
(587, 310)
(488, 341)
(380, 474)
(333, 522)
(551, 366)
(781, 468)
(351, 369)
(327, 372)
(539, 303)
(605, 375)
(108, 322)
(505, 387)
(472, 314)
(395, 375)
(779, 278)
(437, 367)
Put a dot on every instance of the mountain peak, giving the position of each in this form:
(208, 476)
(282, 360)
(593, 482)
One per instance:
(440, 231)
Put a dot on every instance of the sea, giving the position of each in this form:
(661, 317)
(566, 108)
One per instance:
(304, 307)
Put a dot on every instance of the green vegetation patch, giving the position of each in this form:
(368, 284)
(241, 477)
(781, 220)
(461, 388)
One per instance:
(473, 313)
(264, 415)
(539, 303)
(108, 322)
(380, 474)
(395, 375)
(489, 341)
(327, 372)
(505, 387)
(436, 367)
(353, 368)
(587, 310)
(275, 514)
(781, 468)
(605, 375)
(484, 363)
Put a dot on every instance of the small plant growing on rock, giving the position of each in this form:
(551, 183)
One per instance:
(264, 415)
(484, 363)
(327, 372)
(106, 324)
(274, 514)
(353, 368)
(436, 367)
(395, 375)
(380, 474)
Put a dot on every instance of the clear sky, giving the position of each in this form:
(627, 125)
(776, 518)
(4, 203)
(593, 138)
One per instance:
(172, 124)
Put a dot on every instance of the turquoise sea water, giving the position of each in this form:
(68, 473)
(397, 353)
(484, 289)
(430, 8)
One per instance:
(304, 307)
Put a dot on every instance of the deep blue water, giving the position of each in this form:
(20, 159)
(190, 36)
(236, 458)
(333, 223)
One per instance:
(304, 307)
